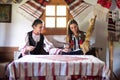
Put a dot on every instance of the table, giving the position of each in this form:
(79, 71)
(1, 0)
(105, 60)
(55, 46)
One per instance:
(57, 67)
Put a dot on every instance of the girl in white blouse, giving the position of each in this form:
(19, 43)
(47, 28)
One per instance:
(36, 42)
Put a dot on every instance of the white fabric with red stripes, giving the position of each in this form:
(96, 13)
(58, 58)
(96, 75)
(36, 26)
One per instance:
(56, 65)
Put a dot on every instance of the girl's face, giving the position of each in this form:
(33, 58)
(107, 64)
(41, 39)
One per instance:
(38, 28)
(74, 28)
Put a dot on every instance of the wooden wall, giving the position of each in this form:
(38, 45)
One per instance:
(7, 53)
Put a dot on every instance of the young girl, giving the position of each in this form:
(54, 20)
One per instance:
(75, 38)
(36, 42)
(78, 40)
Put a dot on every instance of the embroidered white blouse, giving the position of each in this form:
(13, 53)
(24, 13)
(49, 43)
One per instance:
(48, 46)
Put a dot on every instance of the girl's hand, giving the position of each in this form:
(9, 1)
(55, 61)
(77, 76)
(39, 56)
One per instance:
(30, 48)
(66, 50)
(66, 46)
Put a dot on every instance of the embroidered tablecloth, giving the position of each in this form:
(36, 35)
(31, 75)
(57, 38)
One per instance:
(52, 67)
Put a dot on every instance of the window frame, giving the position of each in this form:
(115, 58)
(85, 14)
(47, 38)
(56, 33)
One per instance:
(57, 31)
(56, 16)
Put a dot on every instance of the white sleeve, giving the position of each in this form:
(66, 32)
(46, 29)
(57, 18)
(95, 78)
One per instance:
(23, 49)
(49, 47)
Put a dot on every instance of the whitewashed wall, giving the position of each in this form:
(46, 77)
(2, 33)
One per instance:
(13, 34)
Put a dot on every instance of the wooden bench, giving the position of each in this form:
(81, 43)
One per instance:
(6, 56)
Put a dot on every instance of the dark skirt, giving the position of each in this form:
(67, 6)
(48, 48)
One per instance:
(78, 52)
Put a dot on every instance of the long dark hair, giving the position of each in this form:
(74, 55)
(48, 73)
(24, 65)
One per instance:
(69, 32)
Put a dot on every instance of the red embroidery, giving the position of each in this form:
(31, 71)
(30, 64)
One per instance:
(118, 3)
(43, 2)
(72, 42)
(80, 42)
(105, 3)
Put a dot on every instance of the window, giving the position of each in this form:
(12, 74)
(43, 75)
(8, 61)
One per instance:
(56, 16)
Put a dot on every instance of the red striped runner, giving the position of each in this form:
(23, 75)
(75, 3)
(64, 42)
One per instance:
(33, 8)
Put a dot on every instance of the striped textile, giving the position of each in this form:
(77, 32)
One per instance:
(117, 34)
(113, 27)
(57, 67)
(79, 9)
(33, 8)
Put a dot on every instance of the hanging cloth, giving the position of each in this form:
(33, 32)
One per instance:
(33, 9)
(105, 3)
(118, 3)
(79, 9)
(102, 8)
(113, 27)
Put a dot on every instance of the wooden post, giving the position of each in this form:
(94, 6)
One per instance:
(111, 58)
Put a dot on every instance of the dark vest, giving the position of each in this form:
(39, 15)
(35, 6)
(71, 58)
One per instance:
(80, 39)
(39, 49)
